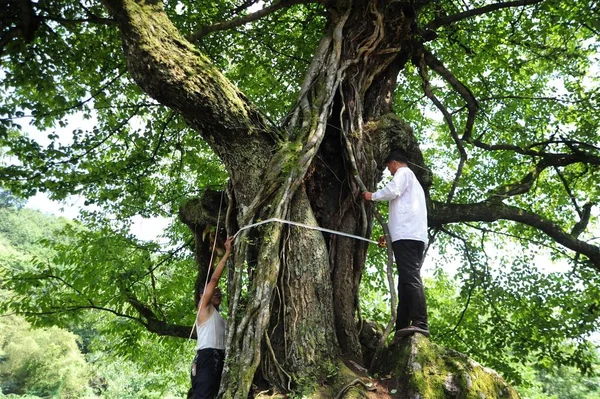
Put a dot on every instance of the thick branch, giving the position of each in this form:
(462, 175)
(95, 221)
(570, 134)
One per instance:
(441, 214)
(153, 323)
(232, 23)
(29, 21)
(584, 220)
(450, 19)
(171, 70)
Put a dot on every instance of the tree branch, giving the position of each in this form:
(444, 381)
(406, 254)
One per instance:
(29, 21)
(232, 23)
(441, 213)
(473, 283)
(92, 19)
(422, 65)
(520, 238)
(450, 19)
(78, 308)
(580, 226)
(462, 90)
(548, 160)
(245, 5)
(174, 72)
(573, 144)
(556, 159)
(153, 323)
(523, 186)
(569, 191)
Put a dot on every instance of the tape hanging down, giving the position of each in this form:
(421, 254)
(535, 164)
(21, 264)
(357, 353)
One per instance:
(306, 226)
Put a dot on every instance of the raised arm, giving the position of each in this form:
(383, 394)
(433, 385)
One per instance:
(209, 290)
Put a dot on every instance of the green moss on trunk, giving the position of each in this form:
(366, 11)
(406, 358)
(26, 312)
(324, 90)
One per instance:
(422, 369)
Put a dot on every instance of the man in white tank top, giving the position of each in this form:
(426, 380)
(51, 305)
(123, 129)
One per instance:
(210, 329)
(408, 231)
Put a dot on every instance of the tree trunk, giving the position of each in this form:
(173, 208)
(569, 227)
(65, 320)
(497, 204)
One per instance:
(293, 292)
(339, 119)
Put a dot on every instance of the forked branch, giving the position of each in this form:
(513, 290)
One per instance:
(460, 88)
(450, 19)
(152, 322)
(233, 23)
(548, 160)
(575, 147)
(422, 65)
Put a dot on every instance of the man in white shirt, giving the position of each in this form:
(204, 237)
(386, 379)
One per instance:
(210, 336)
(408, 230)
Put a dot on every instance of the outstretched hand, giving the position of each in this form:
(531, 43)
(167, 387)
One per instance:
(381, 242)
(368, 195)
(228, 244)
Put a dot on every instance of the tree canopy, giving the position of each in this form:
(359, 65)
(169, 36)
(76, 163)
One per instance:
(142, 106)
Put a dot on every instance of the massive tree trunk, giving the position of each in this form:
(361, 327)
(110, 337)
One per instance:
(293, 292)
(284, 320)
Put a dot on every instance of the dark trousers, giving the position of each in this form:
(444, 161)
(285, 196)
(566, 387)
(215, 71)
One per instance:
(411, 296)
(207, 366)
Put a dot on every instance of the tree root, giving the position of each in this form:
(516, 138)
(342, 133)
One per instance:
(350, 385)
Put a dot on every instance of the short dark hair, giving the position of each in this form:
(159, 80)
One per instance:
(217, 288)
(396, 155)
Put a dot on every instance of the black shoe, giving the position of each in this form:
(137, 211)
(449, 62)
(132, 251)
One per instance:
(411, 330)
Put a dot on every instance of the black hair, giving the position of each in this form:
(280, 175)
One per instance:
(396, 155)
(201, 290)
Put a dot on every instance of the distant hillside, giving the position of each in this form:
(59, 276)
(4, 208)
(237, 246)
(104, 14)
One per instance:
(22, 229)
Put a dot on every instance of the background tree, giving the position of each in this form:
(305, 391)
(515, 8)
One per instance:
(93, 355)
(9, 200)
(46, 362)
(513, 82)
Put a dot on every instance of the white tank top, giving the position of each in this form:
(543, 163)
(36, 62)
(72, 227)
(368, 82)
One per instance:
(211, 333)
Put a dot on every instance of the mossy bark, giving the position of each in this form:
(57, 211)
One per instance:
(171, 70)
(293, 292)
(418, 368)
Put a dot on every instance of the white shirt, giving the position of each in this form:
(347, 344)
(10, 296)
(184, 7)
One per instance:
(408, 210)
(211, 333)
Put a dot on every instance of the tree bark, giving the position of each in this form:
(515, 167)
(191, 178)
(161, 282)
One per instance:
(491, 211)
(290, 323)
(294, 292)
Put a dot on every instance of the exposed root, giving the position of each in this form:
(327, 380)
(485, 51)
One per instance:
(357, 381)
(280, 370)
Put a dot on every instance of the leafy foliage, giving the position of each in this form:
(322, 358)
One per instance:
(560, 382)
(121, 359)
(44, 362)
(73, 122)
